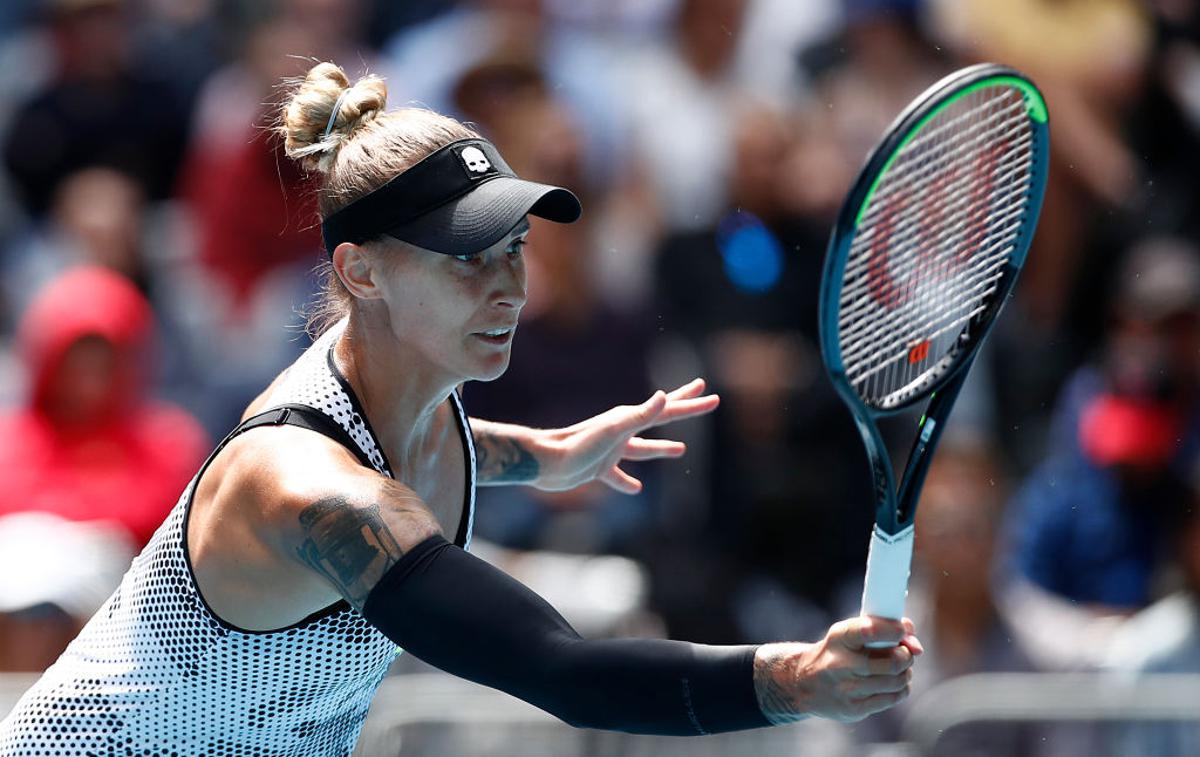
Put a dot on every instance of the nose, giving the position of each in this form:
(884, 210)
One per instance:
(509, 290)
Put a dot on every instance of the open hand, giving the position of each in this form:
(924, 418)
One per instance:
(594, 449)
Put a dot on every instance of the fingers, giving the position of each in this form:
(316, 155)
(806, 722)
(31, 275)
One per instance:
(688, 408)
(885, 662)
(649, 410)
(910, 639)
(663, 408)
(861, 688)
(868, 694)
(880, 702)
(857, 633)
(693, 388)
(650, 449)
(620, 480)
(912, 644)
(687, 402)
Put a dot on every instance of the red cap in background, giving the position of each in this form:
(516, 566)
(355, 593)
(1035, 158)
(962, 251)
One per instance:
(1133, 431)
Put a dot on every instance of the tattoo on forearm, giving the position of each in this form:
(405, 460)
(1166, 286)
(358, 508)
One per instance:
(503, 460)
(772, 669)
(348, 543)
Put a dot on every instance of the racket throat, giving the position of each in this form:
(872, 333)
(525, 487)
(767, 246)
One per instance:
(914, 471)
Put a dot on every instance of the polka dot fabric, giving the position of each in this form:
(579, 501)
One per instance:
(155, 673)
(314, 381)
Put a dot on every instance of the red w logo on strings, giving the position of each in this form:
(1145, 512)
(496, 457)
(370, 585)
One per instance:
(940, 206)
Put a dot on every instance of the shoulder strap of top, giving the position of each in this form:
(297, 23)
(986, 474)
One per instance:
(293, 414)
(466, 523)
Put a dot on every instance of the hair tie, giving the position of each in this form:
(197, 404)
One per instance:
(337, 107)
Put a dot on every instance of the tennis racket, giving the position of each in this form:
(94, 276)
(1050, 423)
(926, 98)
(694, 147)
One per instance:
(926, 250)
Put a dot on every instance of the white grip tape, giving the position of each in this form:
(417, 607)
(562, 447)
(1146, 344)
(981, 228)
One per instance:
(888, 563)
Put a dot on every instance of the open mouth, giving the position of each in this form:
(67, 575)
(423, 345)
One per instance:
(495, 336)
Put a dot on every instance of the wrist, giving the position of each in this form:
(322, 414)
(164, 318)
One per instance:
(776, 674)
(507, 454)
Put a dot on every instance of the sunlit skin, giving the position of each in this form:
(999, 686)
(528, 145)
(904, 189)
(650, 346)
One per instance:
(417, 329)
(416, 332)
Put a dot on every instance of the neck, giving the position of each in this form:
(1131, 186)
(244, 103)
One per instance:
(398, 391)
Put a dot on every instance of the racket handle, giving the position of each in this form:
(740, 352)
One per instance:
(888, 563)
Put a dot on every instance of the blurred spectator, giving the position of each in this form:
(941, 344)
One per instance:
(681, 97)
(97, 218)
(1165, 638)
(253, 218)
(576, 44)
(15, 14)
(101, 108)
(184, 41)
(950, 597)
(90, 464)
(253, 211)
(862, 77)
(1085, 530)
(426, 60)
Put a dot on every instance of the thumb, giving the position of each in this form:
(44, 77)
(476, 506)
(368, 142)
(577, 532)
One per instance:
(650, 409)
(857, 633)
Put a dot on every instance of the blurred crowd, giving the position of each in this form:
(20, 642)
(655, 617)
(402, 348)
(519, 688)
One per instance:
(157, 254)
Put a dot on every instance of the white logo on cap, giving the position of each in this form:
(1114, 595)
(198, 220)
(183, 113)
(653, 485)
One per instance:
(476, 161)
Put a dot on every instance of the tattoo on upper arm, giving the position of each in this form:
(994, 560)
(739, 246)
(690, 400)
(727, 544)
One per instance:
(503, 460)
(348, 543)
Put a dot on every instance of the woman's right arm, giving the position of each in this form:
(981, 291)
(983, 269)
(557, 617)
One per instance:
(379, 546)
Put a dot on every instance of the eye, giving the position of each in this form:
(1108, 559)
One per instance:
(516, 246)
(470, 257)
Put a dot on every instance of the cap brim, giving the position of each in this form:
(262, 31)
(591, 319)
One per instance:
(483, 216)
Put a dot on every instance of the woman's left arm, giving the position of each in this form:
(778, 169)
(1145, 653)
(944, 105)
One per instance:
(564, 458)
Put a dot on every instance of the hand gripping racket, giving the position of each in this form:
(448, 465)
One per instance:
(926, 250)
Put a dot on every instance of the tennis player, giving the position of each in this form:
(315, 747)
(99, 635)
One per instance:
(333, 524)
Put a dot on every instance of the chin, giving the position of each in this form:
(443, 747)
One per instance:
(491, 372)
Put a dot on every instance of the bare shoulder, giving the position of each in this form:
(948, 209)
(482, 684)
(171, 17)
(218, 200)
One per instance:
(287, 520)
(260, 401)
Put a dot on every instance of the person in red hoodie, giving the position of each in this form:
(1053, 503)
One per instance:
(90, 464)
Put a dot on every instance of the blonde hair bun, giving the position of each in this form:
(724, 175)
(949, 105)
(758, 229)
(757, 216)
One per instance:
(312, 132)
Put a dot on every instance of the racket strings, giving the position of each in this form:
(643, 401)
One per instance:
(854, 308)
(943, 144)
(948, 307)
(943, 329)
(1011, 167)
(935, 326)
(938, 165)
(865, 333)
(934, 243)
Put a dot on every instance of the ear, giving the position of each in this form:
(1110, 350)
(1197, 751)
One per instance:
(356, 268)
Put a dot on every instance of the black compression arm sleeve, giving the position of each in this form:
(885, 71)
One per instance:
(455, 611)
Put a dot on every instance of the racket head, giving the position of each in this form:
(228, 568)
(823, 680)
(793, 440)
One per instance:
(930, 240)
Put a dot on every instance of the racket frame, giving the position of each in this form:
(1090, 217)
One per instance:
(896, 506)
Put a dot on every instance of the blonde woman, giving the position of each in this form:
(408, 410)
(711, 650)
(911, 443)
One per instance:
(333, 524)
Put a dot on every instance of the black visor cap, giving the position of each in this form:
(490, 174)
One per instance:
(485, 215)
(461, 199)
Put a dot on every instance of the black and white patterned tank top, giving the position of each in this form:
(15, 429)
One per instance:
(156, 672)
